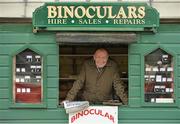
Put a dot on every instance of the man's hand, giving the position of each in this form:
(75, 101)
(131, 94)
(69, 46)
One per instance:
(64, 101)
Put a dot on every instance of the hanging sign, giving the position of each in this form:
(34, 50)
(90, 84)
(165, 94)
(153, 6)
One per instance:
(95, 115)
(95, 16)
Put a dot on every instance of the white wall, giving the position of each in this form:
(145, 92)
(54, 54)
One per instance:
(24, 8)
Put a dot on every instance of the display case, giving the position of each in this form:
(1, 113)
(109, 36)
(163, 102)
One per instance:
(159, 77)
(27, 77)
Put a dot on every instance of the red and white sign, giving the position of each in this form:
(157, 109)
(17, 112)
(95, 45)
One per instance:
(95, 115)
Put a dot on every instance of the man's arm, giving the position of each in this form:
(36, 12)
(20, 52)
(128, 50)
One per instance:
(119, 87)
(78, 84)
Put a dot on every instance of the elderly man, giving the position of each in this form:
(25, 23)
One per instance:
(98, 77)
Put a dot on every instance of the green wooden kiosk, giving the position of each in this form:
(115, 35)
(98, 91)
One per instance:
(30, 60)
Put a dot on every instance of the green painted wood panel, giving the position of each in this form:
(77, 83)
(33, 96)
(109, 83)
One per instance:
(134, 92)
(4, 93)
(125, 113)
(4, 72)
(119, 121)
(146, 121)
(178, 91)
(172, 49)
(53, 59)
(134, 70)
(7, 28)
(52, 71)
(178, 80)
(52, 82)
(134, 81)
(43, 48)
(178, 69)
(4, 82)
(52, 104)
(178, 59)
(52, 93)
(47, 49)
(134, 59)
(34, 114)
(16, 38)
(140, 48)
(135, 49)
(178, 100)
(4, 60)
(4, 105)
(8, 49)
(169, 28)
(134, 102)
(168, 38)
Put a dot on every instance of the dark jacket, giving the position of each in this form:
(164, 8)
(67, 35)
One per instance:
(97, 86)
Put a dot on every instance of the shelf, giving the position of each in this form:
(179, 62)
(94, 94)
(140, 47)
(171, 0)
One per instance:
(29, 63)
(123, 79)
(89, 55)
(67, 79)
(159, 83)
(28, 84)
(28, 73)
(158, 93)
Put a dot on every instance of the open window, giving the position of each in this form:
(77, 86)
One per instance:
(159, 77)
(27, 77)
(72, 57)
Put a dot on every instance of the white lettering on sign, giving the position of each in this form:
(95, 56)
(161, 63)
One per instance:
(96, 115)
(129, 15)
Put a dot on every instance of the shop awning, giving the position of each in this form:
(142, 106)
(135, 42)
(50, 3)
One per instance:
(95, 38)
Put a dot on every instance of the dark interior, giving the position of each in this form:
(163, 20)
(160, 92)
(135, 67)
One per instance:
(71, 58)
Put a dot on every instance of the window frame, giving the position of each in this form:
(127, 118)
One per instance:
(43, 104)
(90, 55)
(174, 61)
